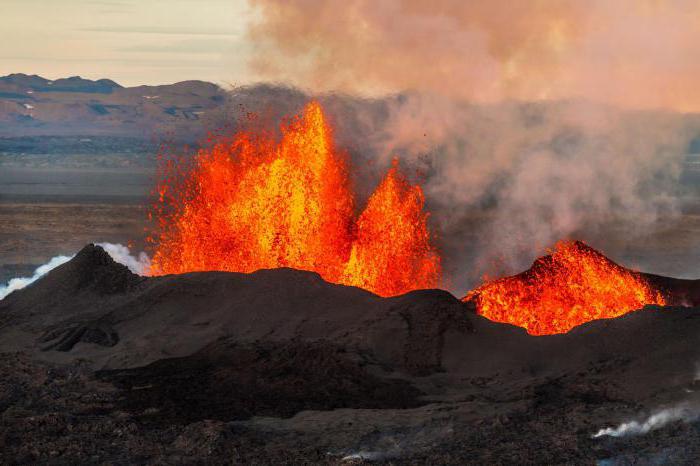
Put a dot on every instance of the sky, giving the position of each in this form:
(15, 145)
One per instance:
(130, 41)
(629, 53)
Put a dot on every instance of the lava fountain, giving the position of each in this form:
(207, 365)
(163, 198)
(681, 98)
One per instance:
(573, 285)
(249, 202)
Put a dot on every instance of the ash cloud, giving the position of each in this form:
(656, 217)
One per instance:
(528, 122)
(634, 53)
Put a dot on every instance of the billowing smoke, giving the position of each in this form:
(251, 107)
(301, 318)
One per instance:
(633, 53)
(657, 420)
(137, 264)
(507, 181)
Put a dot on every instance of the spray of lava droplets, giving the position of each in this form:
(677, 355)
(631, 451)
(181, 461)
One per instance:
(573, 285)
(250, 203)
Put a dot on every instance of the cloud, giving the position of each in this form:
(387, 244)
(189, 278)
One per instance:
(196, 46)
(163, 30)
(635, 53)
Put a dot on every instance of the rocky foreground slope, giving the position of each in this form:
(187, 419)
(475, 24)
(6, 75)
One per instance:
(101, 366)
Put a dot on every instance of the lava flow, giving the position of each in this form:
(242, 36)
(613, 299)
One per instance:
(250, 203)
(573, 285)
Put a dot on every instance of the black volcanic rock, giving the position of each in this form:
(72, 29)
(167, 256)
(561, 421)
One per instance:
(65, 338)
(92, 268)
(278, 366)
(178, 314)
(231, 381)
(92, 271)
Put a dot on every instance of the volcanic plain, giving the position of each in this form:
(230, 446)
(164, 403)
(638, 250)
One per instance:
(102, 366)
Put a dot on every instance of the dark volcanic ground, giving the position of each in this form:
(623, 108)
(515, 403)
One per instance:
(276, 367)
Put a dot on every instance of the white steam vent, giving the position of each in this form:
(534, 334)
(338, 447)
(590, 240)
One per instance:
(657, 420)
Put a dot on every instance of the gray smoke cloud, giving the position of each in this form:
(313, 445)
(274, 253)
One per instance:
(537, 173)
(631, 53)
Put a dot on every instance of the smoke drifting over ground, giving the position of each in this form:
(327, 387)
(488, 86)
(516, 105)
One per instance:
(657, 420)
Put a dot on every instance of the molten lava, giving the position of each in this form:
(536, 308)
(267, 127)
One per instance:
(573, 285)
(251, 203)
(391, 251)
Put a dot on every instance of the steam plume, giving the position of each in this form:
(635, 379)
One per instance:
(653, 422)
(138, 264)
(20, 282)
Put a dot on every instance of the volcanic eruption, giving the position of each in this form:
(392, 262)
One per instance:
(250, 203)
(573, 285)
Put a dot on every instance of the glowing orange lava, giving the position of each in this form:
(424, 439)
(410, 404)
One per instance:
(573, 285)
(250, 203)
(391, 251)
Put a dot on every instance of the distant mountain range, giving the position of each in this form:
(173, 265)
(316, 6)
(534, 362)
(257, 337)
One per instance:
(31, 105)
(81, 116)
